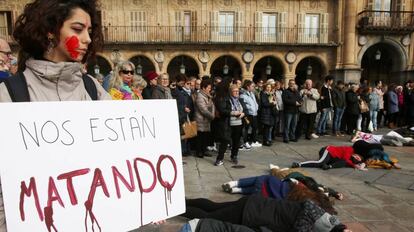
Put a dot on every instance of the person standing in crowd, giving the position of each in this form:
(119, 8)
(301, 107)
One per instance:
(5, 61)
(392, 110)
(204, 114)
(364, 99)
(374, 108)
(352, 108)
(379, 91)
(236, 123)
(50, 67)
(249, 99)
(410, 105)
(338, 99)
(222, 122)
(307, 110)
(152, 79)
(401, 106)
(291, 102)
(326, 105)
(121, 86)
(162, 90)
(267, 107)
(278, 113)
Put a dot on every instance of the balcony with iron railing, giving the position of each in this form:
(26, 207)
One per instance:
(393, 22)
(218, 35)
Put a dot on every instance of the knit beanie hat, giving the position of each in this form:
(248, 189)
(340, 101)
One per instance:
(151, 75)
(315, 217)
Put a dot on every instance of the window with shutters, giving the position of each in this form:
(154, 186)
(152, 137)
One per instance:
(311, 30)
(138, 30)
(226, 23)
(269, 23)
(187, 23)
(5, 24)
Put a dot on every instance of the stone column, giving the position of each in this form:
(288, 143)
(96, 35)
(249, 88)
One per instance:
(287, 77)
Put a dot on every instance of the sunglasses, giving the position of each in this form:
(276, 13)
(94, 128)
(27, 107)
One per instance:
(127, 72)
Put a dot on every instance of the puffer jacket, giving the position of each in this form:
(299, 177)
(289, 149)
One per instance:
(374, 103)
(204, 111)
(249, 101)
(48, 81)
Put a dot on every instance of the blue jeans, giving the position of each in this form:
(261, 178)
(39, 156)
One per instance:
(379, 155)
(323, 120)
(373, 115)
(339, 112)
(291, 120)
(251, 185)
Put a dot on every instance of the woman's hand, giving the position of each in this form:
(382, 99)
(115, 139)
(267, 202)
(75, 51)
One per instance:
(159, 222)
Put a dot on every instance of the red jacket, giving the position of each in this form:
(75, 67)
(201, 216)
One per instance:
(342, 152)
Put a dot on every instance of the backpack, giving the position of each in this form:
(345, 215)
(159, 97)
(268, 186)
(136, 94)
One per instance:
(17, 87)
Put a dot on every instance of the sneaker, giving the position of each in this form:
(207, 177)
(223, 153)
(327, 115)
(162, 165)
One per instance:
(219, 163)
(247, 145)
(295, 165)
(256, 144)
(210, 148)
(226, 187)
(314, 136)
(271, 166)
(243, 148)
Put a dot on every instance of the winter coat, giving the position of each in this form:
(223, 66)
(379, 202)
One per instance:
(352, 106)
(147, 92)
(309, 105)
(279, 100)
(380, 97)
(204, 111)
(48, 81)
(362, 148)
(213, 225)
(266, 109)
(326, 101)
(159, 92)
(338, 98)
(392, 102)
(374, 103)
(223, 107)
(410, 103)
(290, 98)
(249, 102)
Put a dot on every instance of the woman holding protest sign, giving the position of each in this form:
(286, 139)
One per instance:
(55, 37)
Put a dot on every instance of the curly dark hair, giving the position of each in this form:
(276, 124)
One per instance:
(47, 16)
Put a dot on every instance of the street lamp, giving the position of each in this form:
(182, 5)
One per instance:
(268, 67)
(182, 66)
(225, 67)
(378, 55)
(96, 69)
(309, 68)
(139, 67)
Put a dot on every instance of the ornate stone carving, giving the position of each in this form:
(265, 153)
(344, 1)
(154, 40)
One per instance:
(271, 3)
(138, 2)
(182, 2)
(314, 4)
(227, 2)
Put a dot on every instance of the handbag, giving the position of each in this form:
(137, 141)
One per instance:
(363, 106)
(190, 129)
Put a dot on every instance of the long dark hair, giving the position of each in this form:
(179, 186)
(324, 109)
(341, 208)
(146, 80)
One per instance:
(47, 16)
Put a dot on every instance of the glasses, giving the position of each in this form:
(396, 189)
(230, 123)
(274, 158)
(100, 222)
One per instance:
(188, 83)
(9, 53)
(131, 72)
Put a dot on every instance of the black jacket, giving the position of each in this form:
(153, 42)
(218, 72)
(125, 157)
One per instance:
(147, 92)
(290, 98)
(213, 225)
(326, 94)
(338, 98)
(352, 106)
(266, 110)
(223, 107)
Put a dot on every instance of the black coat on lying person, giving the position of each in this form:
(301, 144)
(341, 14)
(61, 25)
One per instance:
(362, 148)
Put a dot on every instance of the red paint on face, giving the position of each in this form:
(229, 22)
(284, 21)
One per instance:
(72, 43)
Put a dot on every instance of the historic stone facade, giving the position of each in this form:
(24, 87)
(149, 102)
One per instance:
(302, 38)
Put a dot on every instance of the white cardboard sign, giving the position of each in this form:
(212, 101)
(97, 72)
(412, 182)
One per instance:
(78, 166)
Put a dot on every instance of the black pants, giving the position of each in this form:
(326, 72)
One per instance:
(379, 118)
(365, 121)
(227, 211)
(236, 132)
(324, 159)
(306, 123)
(392, 118)
(252, 137)
(202, 142)
(351, 122)
(224, 142)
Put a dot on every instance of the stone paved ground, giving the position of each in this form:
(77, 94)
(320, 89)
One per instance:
(375, 200)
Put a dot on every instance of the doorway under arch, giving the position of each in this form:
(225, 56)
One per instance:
(310, 68)
(226, 66)
(103, 65)
(183, 64)
(268, 67)
(142, 64)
